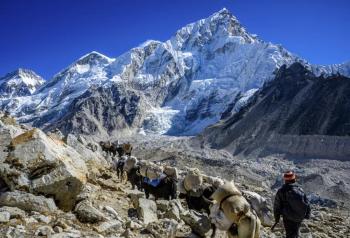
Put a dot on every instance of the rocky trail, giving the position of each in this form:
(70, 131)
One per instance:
(65, 187)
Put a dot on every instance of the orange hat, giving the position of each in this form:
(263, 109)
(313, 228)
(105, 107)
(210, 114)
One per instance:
(289, 176)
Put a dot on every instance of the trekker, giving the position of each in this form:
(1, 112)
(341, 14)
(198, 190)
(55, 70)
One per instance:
(292, 203)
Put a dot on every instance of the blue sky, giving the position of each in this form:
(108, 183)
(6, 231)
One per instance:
(48, 35)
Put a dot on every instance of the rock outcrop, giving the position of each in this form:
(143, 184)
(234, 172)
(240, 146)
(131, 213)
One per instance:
(34, 162)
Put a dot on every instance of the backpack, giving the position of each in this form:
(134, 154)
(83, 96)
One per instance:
(295, 204)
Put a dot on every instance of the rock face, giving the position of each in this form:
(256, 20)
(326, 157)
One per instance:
(45, 166)
(207, 70)
(113, 108)
(288, 116)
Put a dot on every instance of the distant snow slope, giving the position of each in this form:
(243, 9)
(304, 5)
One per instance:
(206, 68)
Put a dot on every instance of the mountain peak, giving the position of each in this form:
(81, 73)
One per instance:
(213, 29)
(223, 15)
(223, 12)
(20, 72)
(94, 57)
(21, 82)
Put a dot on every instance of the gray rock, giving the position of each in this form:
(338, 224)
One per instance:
(58, 229)
(66, 235)
(132, 225)
(199, 222)
(109, 226)
(93, 146)
(163, 228)
(112, 212)
(28, 202)
(13, 179)
(15, 212)
(134, 196)
(4, 217)
(42, 218)
(30, 220)
(87, 213)
(44, 231)
(147, 210)
(16, 232)
(162, 205)
(173, 212)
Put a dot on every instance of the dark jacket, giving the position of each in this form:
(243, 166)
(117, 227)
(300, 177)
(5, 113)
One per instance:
(285, 208)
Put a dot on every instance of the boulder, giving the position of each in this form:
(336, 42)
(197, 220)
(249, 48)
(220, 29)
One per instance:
(46, 231)
(54, 168)
(86, 212)
(109, 226)
(15, 212)
(163, 228)
(4, 217)
(134, 196)
(199, 222)
(147, 210)
(28, 202)
(170, 209)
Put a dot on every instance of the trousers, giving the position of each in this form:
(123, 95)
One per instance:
(292, 228)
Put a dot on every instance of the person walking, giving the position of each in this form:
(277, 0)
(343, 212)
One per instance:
(292, 204)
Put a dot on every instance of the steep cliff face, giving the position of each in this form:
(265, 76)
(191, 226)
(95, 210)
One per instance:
(101, 110)
(297, 113)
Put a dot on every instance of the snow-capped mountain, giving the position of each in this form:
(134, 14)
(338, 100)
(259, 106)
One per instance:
(21, 82)
(206, 70)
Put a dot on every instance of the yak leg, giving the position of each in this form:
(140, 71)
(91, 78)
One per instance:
(146, 193)
(213, 227)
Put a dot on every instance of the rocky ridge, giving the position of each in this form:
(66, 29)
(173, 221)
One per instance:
(297, 114)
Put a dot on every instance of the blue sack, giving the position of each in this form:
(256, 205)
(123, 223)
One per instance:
(152, 182)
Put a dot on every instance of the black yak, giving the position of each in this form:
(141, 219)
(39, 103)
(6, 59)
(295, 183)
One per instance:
(135, 178)
(165, 188)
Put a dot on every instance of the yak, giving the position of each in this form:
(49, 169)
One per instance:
(165, 188)
(135, 178)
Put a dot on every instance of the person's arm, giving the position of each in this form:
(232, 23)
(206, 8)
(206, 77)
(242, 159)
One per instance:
(277, 206)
